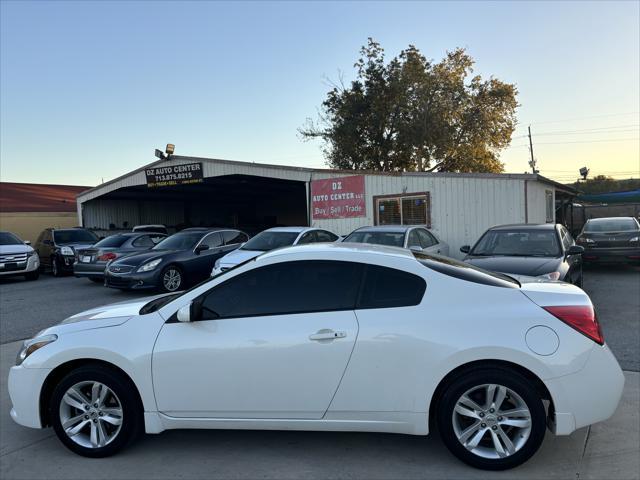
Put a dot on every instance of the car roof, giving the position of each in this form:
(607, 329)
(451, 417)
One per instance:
(388, 228)
(525, 226)
(202, 229)
(605, 219)
(291, 229)
(363, 248)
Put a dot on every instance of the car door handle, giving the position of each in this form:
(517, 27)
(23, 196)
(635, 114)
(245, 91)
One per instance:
(326, 335)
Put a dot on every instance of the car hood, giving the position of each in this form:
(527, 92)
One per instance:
(532, 266)
(239, 256)
(137, 259)
(100, 317)
(17, 248)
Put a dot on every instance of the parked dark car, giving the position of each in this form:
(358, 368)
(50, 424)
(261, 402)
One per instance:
(545, 250)
(613, 239)
(92, 261)
(178, 261)
(57, 247)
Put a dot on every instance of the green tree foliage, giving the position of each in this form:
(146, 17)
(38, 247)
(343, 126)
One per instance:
(411, 114)
(605, 184)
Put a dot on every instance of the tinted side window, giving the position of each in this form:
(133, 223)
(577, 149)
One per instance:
(387, 287)
(233, 237)
(213, 240)
(308, 237)
(285, 288)
(323, 236)
(144, 241)
(414, 240)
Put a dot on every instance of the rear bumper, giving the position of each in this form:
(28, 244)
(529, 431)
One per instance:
(588, 396)
(92, 270)
(611, 255)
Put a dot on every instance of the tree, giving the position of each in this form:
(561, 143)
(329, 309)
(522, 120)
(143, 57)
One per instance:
(411, 114)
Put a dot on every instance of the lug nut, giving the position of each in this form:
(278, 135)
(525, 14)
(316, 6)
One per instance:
(491, 410)
(492, 428)
(95, 405)
(483, 425)
(95, 421)
(500, 419)
(86, 407)
(481, 414)
(86, 417)
(101, 414)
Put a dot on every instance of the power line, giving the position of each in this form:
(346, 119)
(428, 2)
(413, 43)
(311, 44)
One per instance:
(584, 117)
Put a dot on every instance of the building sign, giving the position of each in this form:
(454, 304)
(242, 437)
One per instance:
(338, 198)
(174, 175)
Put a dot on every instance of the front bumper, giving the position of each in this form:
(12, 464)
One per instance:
(66, 262)
(20, 268)
(616, 255)
(133, 280)
(25, 385)
(588, 396)
(89, 270)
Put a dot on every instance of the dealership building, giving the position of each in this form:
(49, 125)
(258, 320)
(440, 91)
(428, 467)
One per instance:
(182, 191)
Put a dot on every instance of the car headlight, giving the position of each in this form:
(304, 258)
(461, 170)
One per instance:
(147, 267)
(30, 346)
(550, 276)
(635, 239)
(67, 251)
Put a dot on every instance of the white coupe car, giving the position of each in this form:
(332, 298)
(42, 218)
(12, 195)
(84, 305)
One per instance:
(338, 337)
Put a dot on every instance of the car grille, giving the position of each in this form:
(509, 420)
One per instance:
(13, 257)
(120, 269)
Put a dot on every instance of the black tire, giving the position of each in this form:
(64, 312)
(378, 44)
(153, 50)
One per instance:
(96, 280)
(132, 420)
(56, 269)
(32, 275)
(498, 376)
(165, 271)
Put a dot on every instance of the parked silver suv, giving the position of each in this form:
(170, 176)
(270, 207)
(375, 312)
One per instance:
(17, 257)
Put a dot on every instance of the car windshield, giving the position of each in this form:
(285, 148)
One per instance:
(77, 235)
(265, 241)
(180, 241)
(392, 239)
(518, 243)
(611, 225)
(113, 241)
(7, 238)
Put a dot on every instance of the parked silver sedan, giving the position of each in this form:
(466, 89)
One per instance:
(414, 237)
(91, 262)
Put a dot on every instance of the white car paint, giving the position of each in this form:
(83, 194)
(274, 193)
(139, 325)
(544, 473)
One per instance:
(240, 255)
(16, 253)
(379, 375)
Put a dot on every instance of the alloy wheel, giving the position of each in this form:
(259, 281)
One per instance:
(491, 421)
(91, 414)
(172, 279)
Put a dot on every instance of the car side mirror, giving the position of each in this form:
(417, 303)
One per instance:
(416, 249)
(465, 248)
(27, 242)
(184, 314)
(575, 250)
(201, 248)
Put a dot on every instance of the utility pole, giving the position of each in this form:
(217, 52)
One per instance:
(532, 162)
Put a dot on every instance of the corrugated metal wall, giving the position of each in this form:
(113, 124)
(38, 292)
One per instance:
(99, 213)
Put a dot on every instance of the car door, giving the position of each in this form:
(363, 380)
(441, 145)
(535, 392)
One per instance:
(272, 342)
(574, 262)
(429, 242)
(199, 265)
(232, 239)
(46, 248)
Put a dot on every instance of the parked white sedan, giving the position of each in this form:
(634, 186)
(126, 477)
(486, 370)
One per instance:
(338, 337)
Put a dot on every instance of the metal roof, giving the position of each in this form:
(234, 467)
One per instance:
(35, 197)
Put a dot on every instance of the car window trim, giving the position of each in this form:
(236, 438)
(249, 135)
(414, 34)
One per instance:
(364, 279)
(205, 236)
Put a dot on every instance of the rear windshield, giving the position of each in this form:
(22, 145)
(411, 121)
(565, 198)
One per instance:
(392, 239)
(611, 225)
(74, 236)
(465, 271)
(518, 243)
(266, 241)
(7, 238)
(113, 241)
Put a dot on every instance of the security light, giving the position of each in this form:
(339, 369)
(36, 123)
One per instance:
(170, 148)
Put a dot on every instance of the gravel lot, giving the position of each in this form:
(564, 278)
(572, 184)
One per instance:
(28, 307)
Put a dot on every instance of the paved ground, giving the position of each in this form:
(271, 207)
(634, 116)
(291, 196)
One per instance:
(609, 451)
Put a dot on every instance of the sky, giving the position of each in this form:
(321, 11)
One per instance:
(89, 89)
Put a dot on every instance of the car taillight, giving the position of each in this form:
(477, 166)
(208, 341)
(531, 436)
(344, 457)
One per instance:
(581, 318)
(105, 257)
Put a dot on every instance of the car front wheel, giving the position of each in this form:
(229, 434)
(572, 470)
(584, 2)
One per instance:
(492, 418)
(56, 270)
(95, 412)
(171, 279)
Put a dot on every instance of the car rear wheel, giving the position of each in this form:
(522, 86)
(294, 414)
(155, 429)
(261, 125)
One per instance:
(492, 418)
(172, 279)
(95, 412)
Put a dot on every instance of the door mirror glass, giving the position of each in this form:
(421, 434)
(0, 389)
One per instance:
(201, 248)
(184, 314)
(575, 250)
(465, 249)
